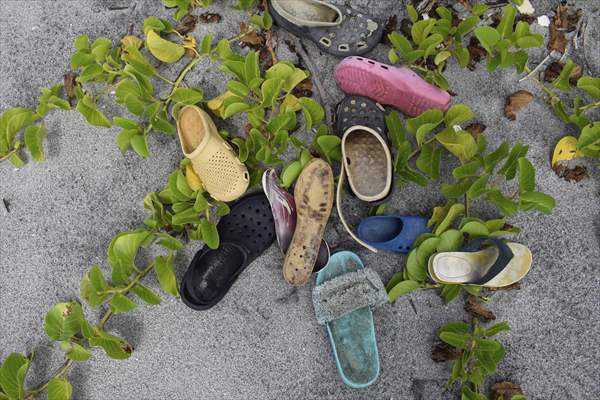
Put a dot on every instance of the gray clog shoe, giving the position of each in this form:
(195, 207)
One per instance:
(338, 30)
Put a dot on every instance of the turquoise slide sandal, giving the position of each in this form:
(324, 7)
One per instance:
(343, 296)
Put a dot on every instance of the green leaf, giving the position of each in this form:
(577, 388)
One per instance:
(526, 176)
(115, 347)
(12, 375)
(441, 57)
(453, 212)
(457, 189)
(505, 27)
(429, 160)
(421, 29)
(455, 327)
(412, 13)
(506, 206)
(457, 114)
(590, 84)
(100, 48)
(187, 96)
(163, 267)
(461, 144)
(469, 169)
(210, 235)
(540, 201)
(121, 304)
(424, 123)
(400, 42)
(139, 144)
(425, 250)
(466, 25)
(589, 140)
(75, 351)
(90, 72)
(63, 320)
(59, 389)
(479, 187)
(396, 131)
(285, 121)
(462, 56)
(491, 160)
(393, 57)
(122, 251)
(488, 37)
(82, 42)
(534, 40)
(458, 340)
(87, 107)
(163, 49)
(34, 137)
(330, 146)
(475, 228)
(562, 81)
(509, 169)
(401, 289)
(290, 173)
(451, 240)
(242, 148)
(500, 327)
(449, 293)
(125, 123)
(146, 294)
(313, 112)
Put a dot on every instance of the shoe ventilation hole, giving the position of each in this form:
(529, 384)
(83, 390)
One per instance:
(371, 62)
(223, 173)
(384, 67)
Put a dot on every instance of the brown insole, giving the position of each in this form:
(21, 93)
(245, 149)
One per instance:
(191, 127)
(367, 167)
(309, 11)
(313, 193)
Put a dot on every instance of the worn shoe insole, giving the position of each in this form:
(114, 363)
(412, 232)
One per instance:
(367, 168)
(309, 11)
(314, 199)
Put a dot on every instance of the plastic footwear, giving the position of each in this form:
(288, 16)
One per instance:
(283, 207)
(497, 265)
(365, 152)
(398, 87)
(223, 175)
(245, 233)
(338, 30)
(392, 233)
(343, 296)
(314, 195)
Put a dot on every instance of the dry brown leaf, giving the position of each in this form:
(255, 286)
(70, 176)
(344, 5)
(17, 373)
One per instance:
(444, 352)
(406, 27)
(251, 39)
(505, 390)
(475, 129)
(478, 309)
(476, 53)
(515, 102)
(390, 26)
(210, 18)
(554, 69)
(514, 286)
(572, 175)
(559, 24)
(304, 89)
(70, 83)
(187, 24)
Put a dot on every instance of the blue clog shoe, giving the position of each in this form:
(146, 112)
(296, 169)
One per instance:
(392, 233)
(343, 296)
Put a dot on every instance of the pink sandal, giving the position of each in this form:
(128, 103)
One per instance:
(398, 87)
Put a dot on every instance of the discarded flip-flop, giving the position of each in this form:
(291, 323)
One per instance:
(245, 233)
(314, 199)
(398, 87)
(223, 175)
(500, 264)
(283, 207)
(338, 30)
(391, 232)
(343, 296)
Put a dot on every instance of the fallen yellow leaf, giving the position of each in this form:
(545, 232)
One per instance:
(131, 40)
(566, 149)
(217, 105)
(192, 179)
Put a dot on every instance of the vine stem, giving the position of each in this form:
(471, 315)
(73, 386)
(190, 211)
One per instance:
(69, 363)
(590, 106)
(182, 75)
(549, 92)
(8, 155)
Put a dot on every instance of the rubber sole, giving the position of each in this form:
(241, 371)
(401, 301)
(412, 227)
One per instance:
(313, 193)
(398, 87)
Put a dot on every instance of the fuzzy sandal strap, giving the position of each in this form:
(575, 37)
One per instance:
(346, 293)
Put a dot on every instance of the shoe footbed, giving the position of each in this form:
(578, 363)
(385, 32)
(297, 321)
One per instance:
(367, 169)
(191, 126)
(313, 193)
(309, 11)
